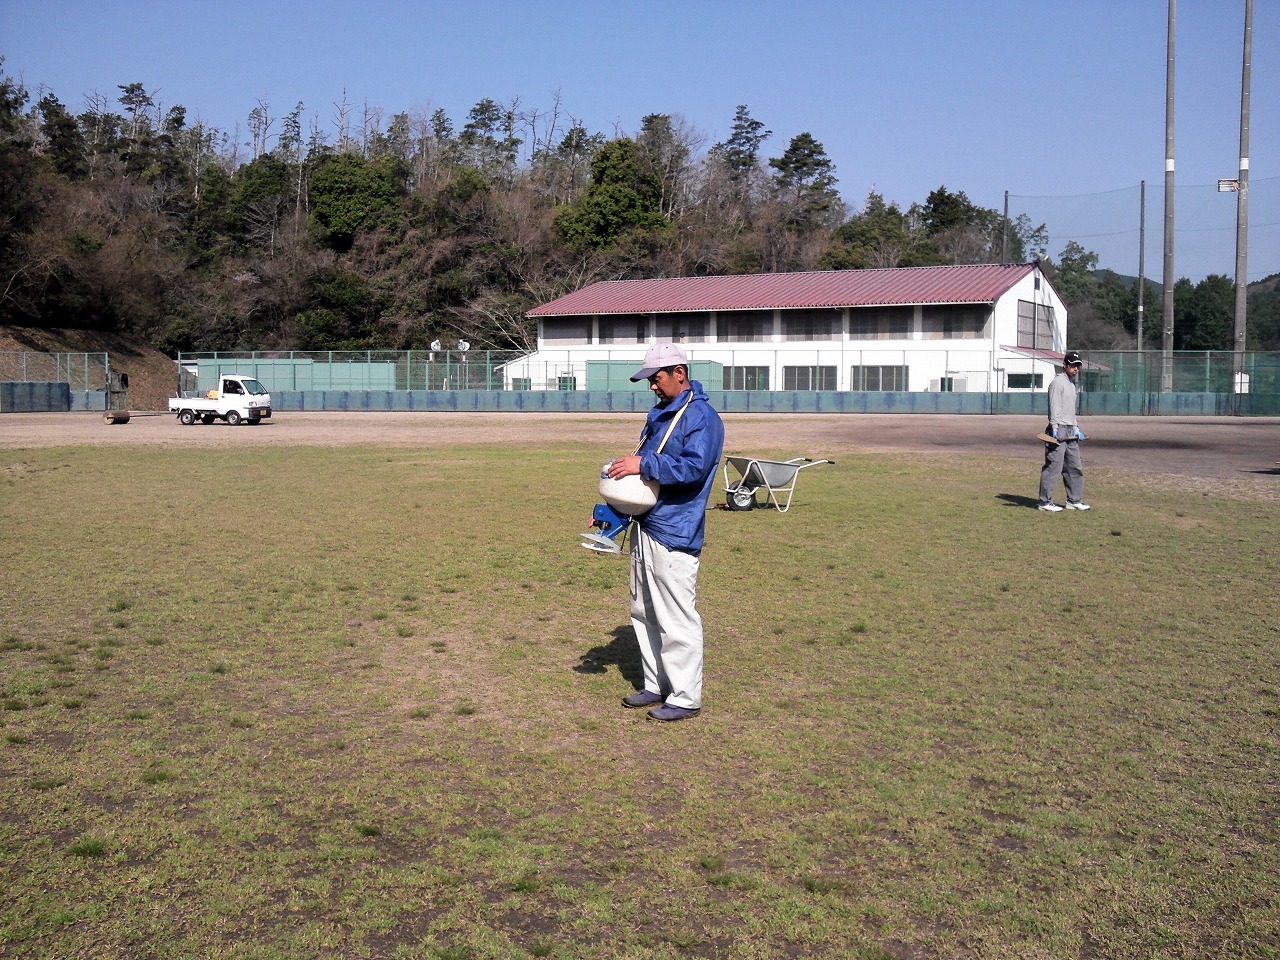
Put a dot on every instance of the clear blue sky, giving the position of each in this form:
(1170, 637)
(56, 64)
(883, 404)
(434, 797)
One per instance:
(1040, 98)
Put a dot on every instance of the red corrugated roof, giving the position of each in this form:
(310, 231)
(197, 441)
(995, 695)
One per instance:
(1035, 353)
(899, 286)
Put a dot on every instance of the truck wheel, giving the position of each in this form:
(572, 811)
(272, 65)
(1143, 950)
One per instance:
(233, 417)
(207, 418)
(186, 418)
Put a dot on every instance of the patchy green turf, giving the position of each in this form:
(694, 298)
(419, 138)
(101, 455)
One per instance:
(301, 703)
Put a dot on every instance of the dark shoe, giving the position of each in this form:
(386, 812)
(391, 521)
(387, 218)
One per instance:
(641, 698)
(668, 712)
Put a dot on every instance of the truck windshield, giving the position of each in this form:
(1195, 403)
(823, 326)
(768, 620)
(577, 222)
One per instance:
(254, 386)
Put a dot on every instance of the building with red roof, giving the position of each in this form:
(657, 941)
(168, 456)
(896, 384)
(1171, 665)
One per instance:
(979, 327)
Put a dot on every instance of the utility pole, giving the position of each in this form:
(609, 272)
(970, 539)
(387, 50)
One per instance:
(1004, 231)
(1239, 381)
(1166, 376)
(1142, 267)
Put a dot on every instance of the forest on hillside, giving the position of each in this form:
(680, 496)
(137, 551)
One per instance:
(396, 230)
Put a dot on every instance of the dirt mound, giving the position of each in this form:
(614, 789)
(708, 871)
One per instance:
(152, 375)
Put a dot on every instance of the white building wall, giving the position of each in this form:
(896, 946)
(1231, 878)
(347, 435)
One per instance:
(973, 364)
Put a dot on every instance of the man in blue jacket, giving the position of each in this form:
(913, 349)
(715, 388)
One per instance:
(680, 448)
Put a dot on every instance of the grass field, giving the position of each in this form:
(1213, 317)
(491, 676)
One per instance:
(303, 703)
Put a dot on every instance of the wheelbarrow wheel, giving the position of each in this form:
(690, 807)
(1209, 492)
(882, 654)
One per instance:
(741, 498)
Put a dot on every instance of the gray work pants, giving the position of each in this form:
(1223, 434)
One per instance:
(1062, 460)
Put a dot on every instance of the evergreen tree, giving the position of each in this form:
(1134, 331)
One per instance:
(66, 145)
(349, 193)
(20, 203)
(881, 235)
(667, 152)
(740, 154)
(1263, 327)
(489, 140)
(624, 196)
(260, 196)
(1204, 314)
(805, 178)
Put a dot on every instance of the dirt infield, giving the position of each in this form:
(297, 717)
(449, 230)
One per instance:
(1230, 456)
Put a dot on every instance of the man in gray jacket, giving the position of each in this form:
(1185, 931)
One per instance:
(1062, 458)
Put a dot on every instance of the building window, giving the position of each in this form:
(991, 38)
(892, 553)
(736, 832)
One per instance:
(1025, 381)
(1035, 325)
(625, 328)
(521, 383)
(878, 379)
(808, 378)
(811, 324)
(955, 322)
(565, 331)
(744, 326)
(880, 323)
(746, 378)
(684, 327)
(566, 381)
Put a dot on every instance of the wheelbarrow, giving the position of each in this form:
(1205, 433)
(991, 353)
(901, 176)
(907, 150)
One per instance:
(777, 478)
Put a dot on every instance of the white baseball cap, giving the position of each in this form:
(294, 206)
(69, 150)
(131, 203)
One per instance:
(660, 355)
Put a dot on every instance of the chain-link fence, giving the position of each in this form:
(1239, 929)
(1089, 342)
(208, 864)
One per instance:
(1192, 371)
(81, 371)
(42, 382)
(734, 367)
(354, 369)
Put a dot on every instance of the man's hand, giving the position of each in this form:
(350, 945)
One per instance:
(1079, 433)
(624, 467)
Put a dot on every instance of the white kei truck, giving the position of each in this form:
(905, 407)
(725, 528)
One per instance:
(237, 399)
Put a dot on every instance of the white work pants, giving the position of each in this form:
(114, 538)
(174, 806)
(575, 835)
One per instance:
(663, 593)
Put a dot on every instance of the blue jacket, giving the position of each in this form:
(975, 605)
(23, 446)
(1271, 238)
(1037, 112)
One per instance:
(686, 468)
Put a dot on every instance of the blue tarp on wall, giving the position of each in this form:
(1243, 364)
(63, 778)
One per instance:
(35, 397)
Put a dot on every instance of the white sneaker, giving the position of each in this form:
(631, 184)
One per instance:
(1077, 505)
(1050, 507)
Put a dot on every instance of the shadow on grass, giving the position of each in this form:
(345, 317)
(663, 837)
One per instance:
(1013, 500)
(621, 652)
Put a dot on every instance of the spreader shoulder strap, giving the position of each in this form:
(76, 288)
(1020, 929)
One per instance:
(670, 427)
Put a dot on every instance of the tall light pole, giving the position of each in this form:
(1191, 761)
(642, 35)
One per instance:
(1242, 206)
(1142, 270)
(1166, 377)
